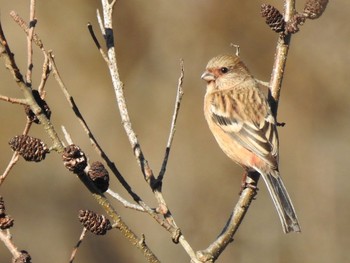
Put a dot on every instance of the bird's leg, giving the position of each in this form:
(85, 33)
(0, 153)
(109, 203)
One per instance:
(245, 184)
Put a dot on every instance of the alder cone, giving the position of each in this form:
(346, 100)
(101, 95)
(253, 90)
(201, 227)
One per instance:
(96, 224)
(273, 18)
(30, 148)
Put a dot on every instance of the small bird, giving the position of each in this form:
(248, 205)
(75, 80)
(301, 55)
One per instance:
(240, 118)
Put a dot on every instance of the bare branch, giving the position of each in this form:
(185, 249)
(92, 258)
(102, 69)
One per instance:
(280, 60)
(75, 250)
(30, 42)
(179, 95)
(124, 202)
(211, 253)
(15, 155)
(44, 76)
(26, 29)
(100, 22)
(13, 100)
(5, 237)
(94, 38)
(12, 163)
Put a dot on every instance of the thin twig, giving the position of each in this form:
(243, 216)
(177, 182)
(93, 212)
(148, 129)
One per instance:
(100, 22)
(15, 155)
(29, 30)
(7, 240)
(189, 250)
(13, 100)
(66, 135)
(26, 29)
(44, 76)
(75, 250)
(179, 95)
(94, 38)
(30, 43)
(12, 163)
(124, 202)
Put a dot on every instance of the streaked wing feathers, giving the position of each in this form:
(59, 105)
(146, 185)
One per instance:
(258, 135)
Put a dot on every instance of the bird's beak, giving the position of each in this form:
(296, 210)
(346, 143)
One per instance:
(208, 76)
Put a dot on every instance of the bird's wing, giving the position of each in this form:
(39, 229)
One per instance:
(253, 126)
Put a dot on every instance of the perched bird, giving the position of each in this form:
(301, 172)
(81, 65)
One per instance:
(241, 121)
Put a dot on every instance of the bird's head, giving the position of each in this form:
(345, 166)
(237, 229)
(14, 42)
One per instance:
(224, 71)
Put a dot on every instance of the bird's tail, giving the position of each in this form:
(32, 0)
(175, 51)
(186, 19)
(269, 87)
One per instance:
(282, 202)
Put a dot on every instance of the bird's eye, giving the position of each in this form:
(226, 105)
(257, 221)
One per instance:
(224, 70)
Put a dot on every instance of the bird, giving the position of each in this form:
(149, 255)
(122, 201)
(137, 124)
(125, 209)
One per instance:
(240, 118)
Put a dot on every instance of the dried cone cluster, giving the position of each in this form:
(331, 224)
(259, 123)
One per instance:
(42, 104)
(74, 159)
(99, 175)
(97, 224)
(30, 148)
(314, 8)
(6, 221)
(273, 18)
(24, 257)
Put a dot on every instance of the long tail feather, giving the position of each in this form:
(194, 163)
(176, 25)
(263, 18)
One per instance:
(282, 202)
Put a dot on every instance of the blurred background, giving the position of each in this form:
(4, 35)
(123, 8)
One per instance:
(201, 184)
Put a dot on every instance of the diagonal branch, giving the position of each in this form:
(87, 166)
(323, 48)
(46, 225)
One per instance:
(179, 95)
(15, 155)
(280, 60)
(215, 249)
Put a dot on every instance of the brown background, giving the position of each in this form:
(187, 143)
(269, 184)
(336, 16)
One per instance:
(201, 183)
